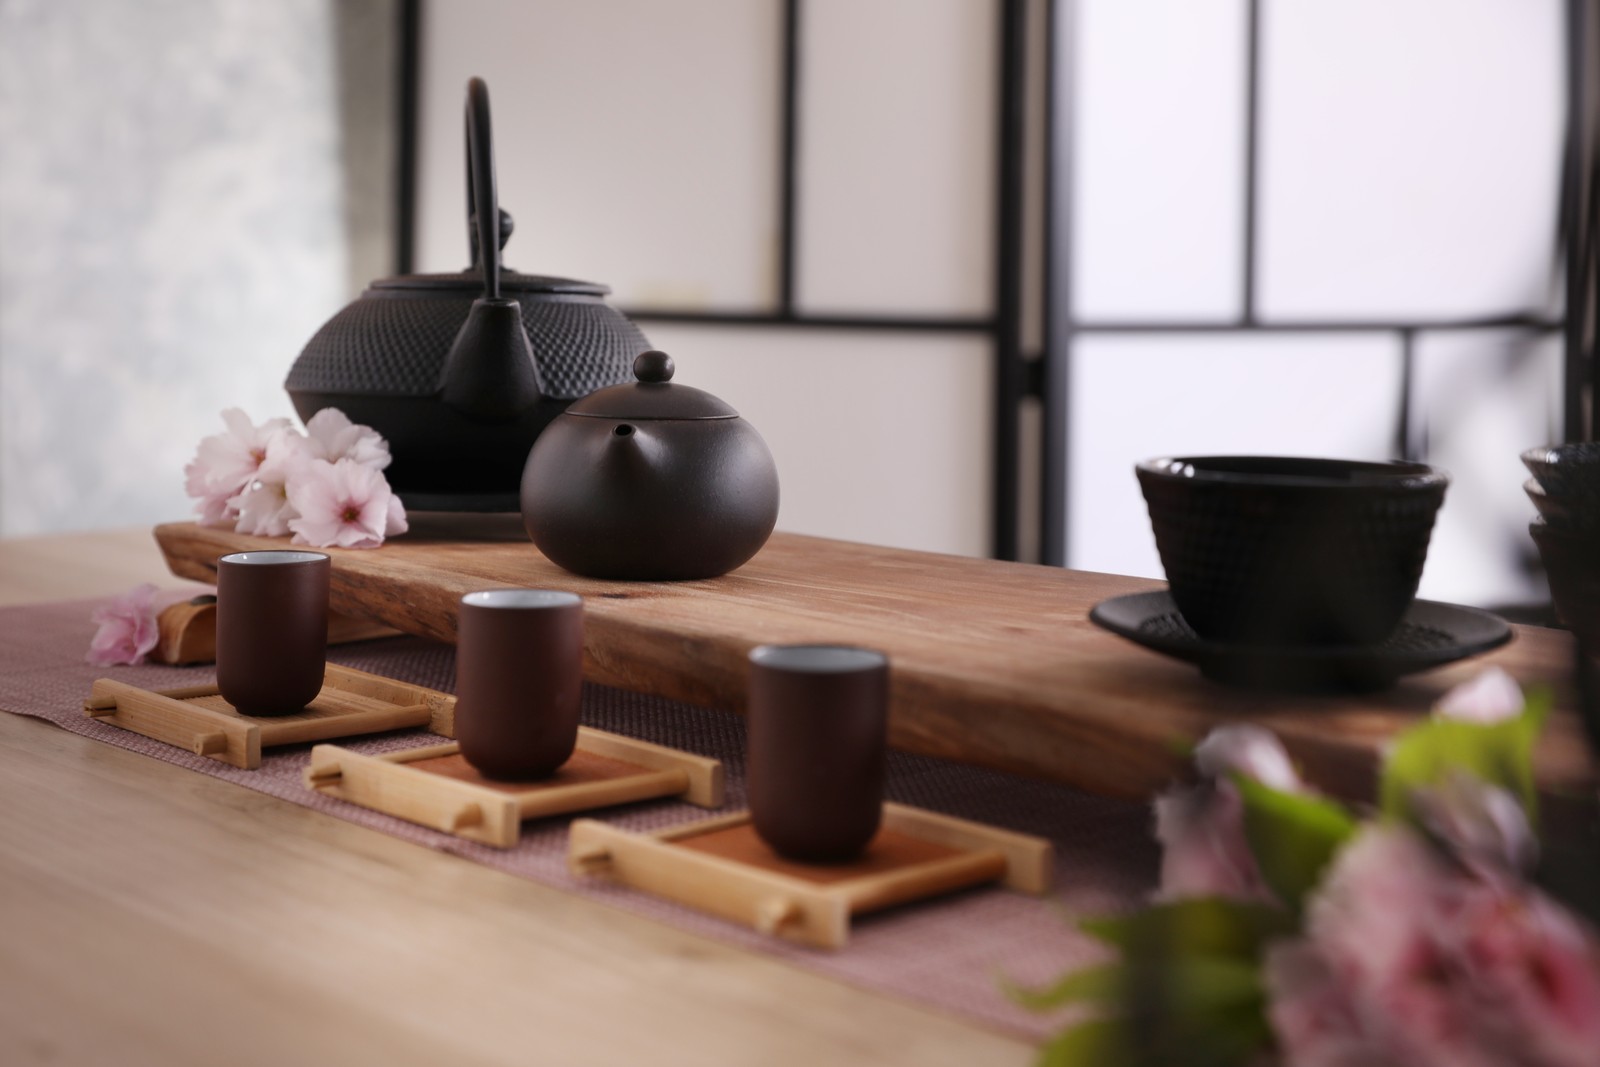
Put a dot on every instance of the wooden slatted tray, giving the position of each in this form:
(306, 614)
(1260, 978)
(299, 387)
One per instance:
(722, 866)
(197, 718)
(436, 787)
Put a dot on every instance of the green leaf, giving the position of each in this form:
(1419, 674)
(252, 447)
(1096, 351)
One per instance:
(1201, 926)
(1105, 982)
(1097, 1043)
(1190, 985)
(1500, 753)
(1293, 835)
(1231, 1040)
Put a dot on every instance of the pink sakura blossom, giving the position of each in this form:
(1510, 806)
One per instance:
(127, 628)
(1490, 697)
(1409, 961)
(227, 463)
(263, 508)
(1201, 827)
(330, 435)
(343, 505)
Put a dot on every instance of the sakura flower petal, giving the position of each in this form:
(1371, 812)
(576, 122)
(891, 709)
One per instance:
(1248, 750)
(343, 504)
(397, 523)
(126, 628)
(225, 464)
(1204, 849)
(330, 435)
(1483, 824)
(264, 510)
(1490, 697)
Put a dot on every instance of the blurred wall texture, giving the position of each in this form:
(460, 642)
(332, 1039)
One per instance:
(188, 188)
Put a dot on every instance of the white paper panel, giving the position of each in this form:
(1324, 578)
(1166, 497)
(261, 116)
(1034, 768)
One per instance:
(1411, 154)
(1484, 398)
(1134, 398)
(857, 458)
(1159, 159)
(637, 142)
(897, 156)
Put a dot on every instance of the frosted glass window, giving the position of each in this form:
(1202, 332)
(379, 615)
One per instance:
(1138, 397)
(897, 156)
(1158, 143)
(637, 142)
(857, 459)
(1481, 399)
(1410, 156)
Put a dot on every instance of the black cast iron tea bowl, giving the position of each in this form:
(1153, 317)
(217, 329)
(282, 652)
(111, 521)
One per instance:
(1270, 550)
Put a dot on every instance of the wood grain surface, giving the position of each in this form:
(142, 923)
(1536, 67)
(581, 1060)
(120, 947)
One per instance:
(992, 663)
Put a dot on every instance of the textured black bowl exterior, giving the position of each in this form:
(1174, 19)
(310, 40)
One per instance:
(381, 359)
(1282, 551)
(1572, 563)
(1553, 509)
(1569, 475)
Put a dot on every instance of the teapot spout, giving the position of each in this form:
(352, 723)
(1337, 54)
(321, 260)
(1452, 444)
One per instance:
(489, 375)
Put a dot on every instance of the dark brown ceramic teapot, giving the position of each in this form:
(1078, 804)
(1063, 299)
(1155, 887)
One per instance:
(462, 371)
(650, 481)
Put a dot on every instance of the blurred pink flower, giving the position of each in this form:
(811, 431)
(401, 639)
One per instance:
(330, 435)
(1201, 828)
(1312, 1013)
(1252, 751)
(344, 505)
(225, 464)
(1490, 697)
(127, 628)
(1483, 824)
(1204, 852)
(1410, 961)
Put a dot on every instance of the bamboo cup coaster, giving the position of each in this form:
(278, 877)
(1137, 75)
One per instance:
(351, 703)
(721, 866)
(436, 787)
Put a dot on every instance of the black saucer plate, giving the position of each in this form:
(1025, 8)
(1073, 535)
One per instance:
(1429, 635)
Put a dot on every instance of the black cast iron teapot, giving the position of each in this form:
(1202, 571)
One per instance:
(650, 481)
(461, 372)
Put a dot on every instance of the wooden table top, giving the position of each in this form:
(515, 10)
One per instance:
(991, 663)
(156, 916)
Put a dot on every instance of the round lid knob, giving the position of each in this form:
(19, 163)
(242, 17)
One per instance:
(654, 395)
(653, 366)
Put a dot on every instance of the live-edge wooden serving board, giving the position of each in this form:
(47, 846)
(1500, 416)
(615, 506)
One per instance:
(992, 663)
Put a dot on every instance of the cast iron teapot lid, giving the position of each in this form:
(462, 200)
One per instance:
(471, 281)
(653, 396)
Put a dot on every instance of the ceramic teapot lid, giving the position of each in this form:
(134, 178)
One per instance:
(653, 396)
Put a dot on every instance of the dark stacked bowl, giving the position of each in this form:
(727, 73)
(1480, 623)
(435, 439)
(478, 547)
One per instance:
(1277, 551)
(1566, 489)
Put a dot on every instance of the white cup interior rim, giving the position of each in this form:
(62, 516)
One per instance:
(818, 659)
(521, 598)
(272, 557)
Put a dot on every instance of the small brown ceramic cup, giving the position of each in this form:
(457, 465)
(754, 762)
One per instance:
(818, 726)
(272, 630)
(519, 680)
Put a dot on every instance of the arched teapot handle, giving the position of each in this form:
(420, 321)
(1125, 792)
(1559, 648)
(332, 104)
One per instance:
(487, 231)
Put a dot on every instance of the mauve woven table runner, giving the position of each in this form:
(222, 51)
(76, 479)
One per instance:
(947, 953)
